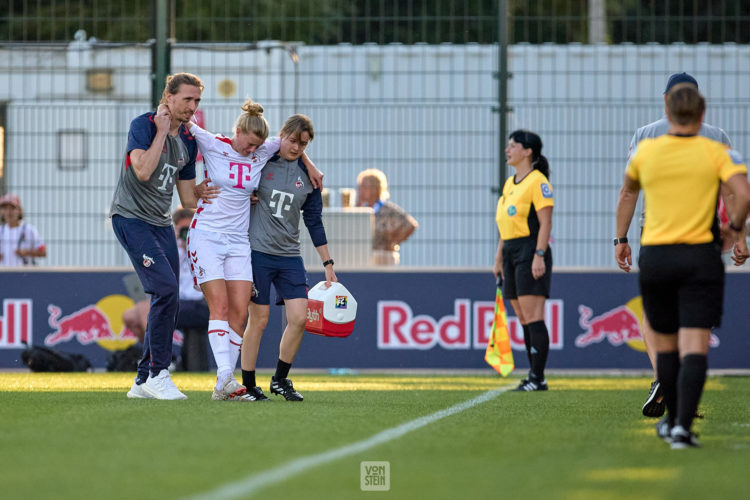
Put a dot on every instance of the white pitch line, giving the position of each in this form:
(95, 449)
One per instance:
(252, 484)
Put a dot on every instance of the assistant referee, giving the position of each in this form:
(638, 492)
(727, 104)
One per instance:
(681, 271)
(524, 258)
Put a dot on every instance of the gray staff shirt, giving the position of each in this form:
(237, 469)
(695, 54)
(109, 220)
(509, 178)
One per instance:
(284, 191)
(660, 127)
(151, 201)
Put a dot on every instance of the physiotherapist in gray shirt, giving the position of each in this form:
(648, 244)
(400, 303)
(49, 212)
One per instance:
(284, 192)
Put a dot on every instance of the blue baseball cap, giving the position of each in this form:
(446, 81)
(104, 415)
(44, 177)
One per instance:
(680, 78)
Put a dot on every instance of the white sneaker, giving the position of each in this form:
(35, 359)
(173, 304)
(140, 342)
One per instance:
(137, 392)
(231, 391)
(162, 387)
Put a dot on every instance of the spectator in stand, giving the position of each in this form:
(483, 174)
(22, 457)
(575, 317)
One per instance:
(20, 243)
(392, 224)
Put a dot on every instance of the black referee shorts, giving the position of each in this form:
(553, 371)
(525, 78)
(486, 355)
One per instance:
(682, 286)
(518, 254)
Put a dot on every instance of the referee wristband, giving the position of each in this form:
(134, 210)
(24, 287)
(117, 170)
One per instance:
(734, 228)
(329, 261)
(620, 240)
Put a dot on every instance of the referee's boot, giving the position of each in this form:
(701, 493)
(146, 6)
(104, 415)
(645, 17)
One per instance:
(284, 387)
(530, 385)
(654, 405)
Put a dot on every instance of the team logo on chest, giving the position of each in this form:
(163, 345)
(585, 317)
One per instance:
(512, 210)
(299, 184)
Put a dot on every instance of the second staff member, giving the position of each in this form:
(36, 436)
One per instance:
(285, 190)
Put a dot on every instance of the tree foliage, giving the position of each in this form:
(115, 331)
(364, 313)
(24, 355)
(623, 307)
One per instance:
(323, 22)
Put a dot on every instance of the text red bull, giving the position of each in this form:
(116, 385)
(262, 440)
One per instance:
(15, 324)
(399, 328)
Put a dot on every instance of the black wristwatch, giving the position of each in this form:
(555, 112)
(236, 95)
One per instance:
(539, 252)
(329, 261)
(620, 240)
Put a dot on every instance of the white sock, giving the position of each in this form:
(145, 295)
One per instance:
(218, 338)
(235, 347)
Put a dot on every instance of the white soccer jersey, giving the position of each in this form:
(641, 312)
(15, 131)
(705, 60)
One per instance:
(237, 177)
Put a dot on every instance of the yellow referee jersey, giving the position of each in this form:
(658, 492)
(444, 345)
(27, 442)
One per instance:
(680, 178)
(517, 207)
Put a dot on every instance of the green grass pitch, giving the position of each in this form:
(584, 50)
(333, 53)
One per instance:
(77, 436)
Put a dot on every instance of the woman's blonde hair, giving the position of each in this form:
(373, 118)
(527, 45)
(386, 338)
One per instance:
(173, 82)
(379, 176)
(252, 120)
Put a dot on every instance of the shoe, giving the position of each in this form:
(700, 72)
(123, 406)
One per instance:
(663, 430)
(285, 388)
(530, 385)
(137, 392)
(162, 387)
(682, 438)
(654, 405)
(256, 394)
(230, 391)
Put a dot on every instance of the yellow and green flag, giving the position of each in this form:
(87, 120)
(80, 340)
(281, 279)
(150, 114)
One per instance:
(499, 355)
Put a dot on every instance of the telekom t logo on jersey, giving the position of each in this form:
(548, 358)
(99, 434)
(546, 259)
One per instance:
(279, 202)
(167, 174)
(239, 176)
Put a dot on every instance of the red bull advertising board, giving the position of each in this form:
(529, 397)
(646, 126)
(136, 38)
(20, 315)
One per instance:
(405, 319)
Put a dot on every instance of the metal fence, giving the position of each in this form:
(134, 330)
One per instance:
(409, 87)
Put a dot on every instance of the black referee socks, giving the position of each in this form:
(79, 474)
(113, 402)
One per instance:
(667, 371)
(690, 387)
(539, 341)
(527, 342)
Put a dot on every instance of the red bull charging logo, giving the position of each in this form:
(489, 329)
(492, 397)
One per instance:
(99, 323)
(621, 325)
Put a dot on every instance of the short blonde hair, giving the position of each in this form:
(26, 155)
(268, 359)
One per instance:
(252, 120)
(379, 176)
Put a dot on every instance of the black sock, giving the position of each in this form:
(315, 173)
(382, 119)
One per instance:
(527, 343)
(690, 387)
(539, 348)
(667, 371)
(248, 378)
(282, 370)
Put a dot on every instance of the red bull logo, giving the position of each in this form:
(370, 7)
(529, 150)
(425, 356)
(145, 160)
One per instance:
(621, 325)
(99, 323)
(15, 324)
(618, 326)
(468, 327)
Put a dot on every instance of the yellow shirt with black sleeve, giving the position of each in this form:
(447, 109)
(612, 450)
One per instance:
(516, 209)
(680, 177)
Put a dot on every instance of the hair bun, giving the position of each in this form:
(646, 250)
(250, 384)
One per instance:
(252, 108)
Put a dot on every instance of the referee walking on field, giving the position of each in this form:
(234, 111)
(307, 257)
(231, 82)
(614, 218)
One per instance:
(681, 271)
(654, 405)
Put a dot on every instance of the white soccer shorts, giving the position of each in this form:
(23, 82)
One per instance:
(219, 256)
